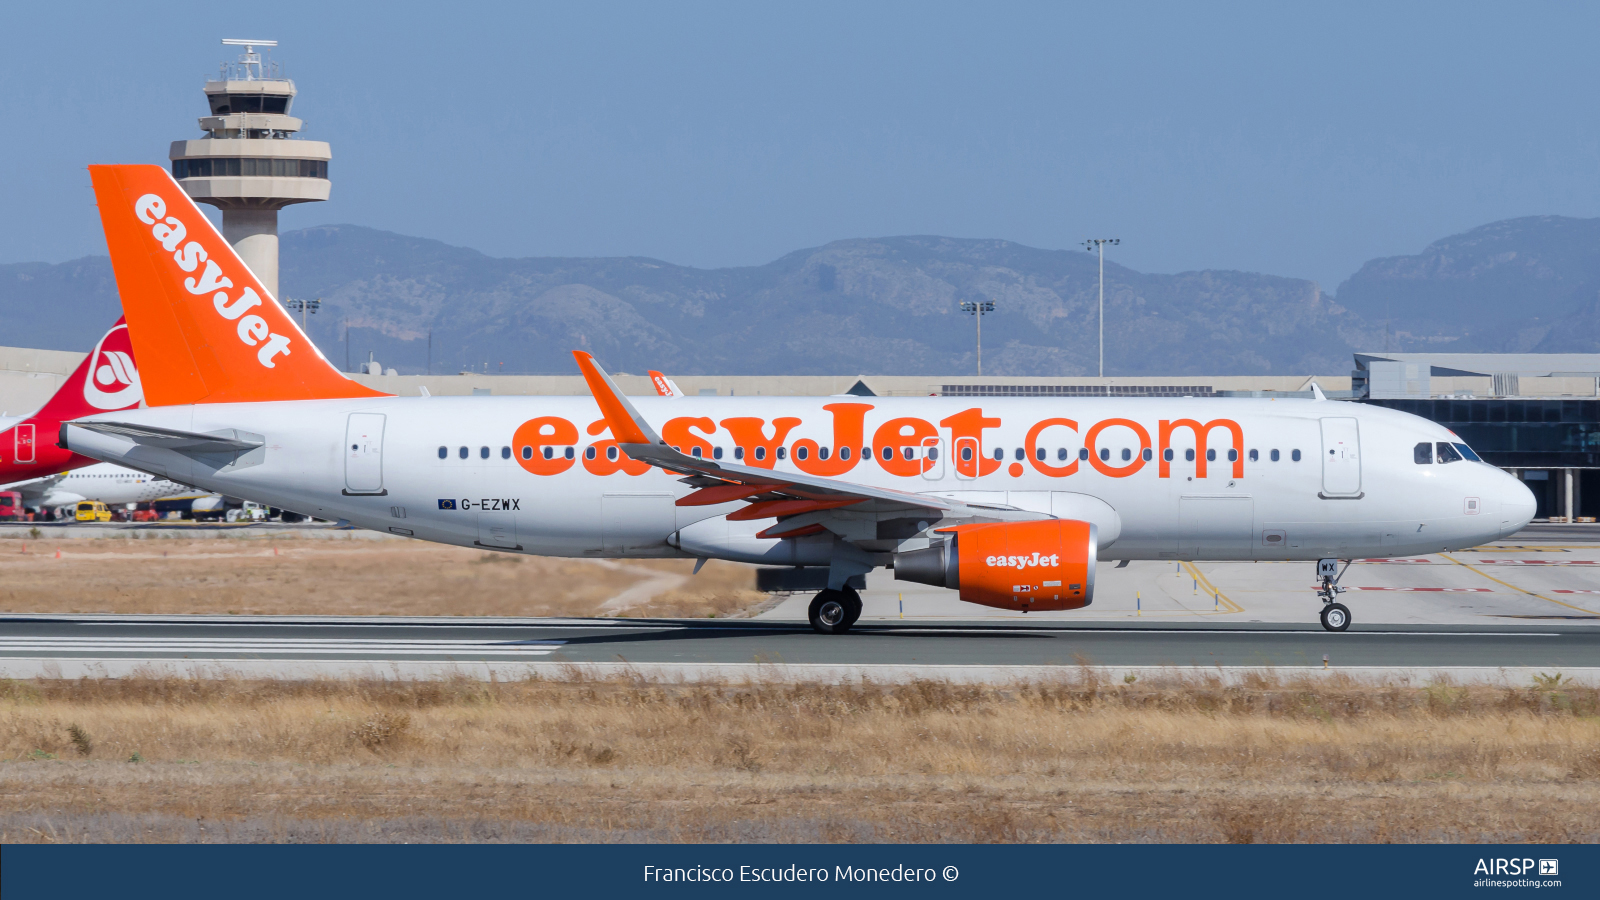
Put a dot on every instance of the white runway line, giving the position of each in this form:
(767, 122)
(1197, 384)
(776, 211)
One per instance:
(277, 646)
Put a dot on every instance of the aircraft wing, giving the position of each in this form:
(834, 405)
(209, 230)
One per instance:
(805, 504)
(34, 490)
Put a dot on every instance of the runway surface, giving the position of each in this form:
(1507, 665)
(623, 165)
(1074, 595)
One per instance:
(177, 639)
(1528, 603)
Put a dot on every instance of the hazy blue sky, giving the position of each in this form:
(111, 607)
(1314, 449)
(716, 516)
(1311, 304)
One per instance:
(1268, 137)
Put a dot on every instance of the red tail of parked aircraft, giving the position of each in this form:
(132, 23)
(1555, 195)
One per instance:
(106, 381)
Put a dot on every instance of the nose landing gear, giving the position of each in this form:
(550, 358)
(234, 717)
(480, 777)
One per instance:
(1335, 616)
(833, 612)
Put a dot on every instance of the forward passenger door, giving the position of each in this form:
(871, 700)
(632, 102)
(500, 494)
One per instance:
(1341, 458)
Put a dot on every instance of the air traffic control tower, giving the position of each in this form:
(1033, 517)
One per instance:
(250, 164)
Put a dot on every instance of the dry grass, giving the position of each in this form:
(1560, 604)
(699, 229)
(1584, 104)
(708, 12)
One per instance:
(293, 576)
(1182, 760)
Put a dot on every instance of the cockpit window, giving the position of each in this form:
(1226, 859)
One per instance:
(1467, 452)
(1422, 455)
(1448, 453)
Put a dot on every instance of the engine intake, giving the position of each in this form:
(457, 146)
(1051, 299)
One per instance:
(1043, 565)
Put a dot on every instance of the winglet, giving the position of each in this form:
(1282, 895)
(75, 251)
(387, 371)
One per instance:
(627, 426)
(1316, 392)
(664, 385)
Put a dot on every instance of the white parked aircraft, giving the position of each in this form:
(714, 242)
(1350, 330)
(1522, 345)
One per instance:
(111, 484)
(1010, 501)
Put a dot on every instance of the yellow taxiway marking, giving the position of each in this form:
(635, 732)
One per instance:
(1231, 607)
(1512, 586)
(1534, 547)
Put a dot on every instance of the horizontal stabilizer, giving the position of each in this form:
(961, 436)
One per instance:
(228, 440)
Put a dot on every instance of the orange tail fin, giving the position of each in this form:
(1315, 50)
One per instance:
(203, 328)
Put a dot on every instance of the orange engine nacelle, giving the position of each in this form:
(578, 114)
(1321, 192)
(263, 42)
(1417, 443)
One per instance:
(1045, 565)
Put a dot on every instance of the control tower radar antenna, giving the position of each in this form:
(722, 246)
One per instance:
(251, 163)
(249, 66)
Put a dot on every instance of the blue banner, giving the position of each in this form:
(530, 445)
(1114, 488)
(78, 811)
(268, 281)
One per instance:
(676, 870)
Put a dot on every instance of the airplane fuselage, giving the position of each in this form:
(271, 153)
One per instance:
(1179, 478)
(113, 485)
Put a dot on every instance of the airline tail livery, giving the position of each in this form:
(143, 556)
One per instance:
(1013, 502)
(107, 380)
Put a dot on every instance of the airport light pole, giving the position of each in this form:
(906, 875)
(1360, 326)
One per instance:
(1092, 245)
(304, 307)
(976, 309)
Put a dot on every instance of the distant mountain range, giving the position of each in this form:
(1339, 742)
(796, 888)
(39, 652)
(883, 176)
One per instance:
(882, 306)
(1528, 285)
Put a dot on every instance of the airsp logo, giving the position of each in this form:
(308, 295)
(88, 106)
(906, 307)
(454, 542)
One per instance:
(112, 381)
(1502, 866)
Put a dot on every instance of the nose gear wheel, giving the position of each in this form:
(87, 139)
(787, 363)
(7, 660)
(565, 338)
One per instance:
(1335, 617)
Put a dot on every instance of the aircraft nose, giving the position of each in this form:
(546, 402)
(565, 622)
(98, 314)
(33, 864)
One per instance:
(1517, 505)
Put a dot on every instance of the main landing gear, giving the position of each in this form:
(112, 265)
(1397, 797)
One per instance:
(1335, 616)
(833, 612)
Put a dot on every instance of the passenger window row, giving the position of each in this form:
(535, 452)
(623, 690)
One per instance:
(466, 452)
(1424, 453)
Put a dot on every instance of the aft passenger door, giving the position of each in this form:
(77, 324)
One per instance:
(24, 443)
(363, 454)
(1341, 458)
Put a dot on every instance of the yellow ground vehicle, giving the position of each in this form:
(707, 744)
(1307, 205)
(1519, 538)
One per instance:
(93, 511)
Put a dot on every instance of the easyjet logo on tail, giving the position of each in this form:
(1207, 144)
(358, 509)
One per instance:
(170, 231)
(202, 327)
(112, 380)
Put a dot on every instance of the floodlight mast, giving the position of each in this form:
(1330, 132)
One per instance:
(1099, 244)
(304, 307)
(977, 308)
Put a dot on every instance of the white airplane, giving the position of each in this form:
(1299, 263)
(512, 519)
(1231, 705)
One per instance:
(1012, 502)
(111, 484)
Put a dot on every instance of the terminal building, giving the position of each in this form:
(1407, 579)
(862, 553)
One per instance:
(1534, 414)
